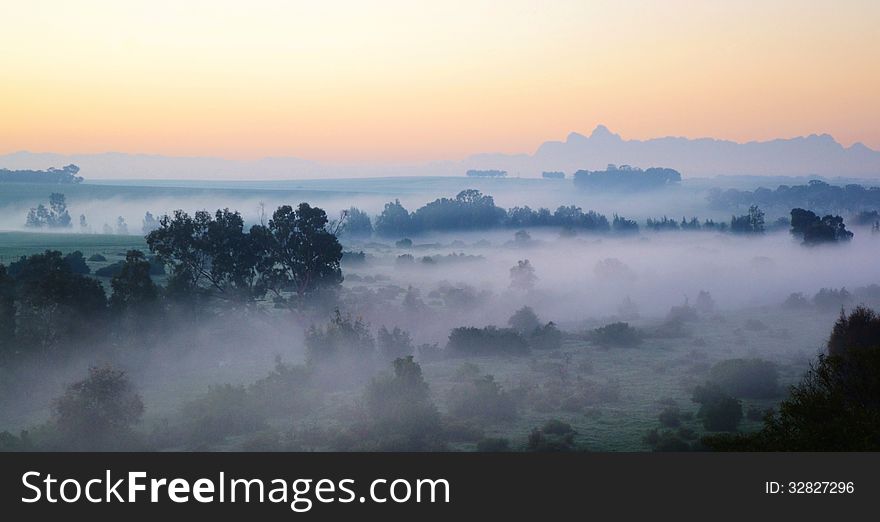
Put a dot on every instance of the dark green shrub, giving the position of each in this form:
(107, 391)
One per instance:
(468, 340)
(718, 411)
(616, 335)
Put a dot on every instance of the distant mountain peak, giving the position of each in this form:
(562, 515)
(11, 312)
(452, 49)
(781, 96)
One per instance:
(601, 133)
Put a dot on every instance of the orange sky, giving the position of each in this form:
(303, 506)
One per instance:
(406, 81)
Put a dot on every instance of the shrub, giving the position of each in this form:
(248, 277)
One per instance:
(402, 416)
(746, 378)
(616, 334)
(481, 399)
(469, 340)
(524, 321)
(342, 337)
(98, 412)
(719, 411)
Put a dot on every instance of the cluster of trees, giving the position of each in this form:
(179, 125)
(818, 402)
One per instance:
(65, 175)
(472, 173)
(471, 210)
(55, 215)
(553, 174)
(625, 177)
(213, 255)
(814, 230)
(816, 194)
(49, 301)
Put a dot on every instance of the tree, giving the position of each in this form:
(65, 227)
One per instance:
(97, 413)
(212, 255)
(55, 305)
(304, 255)
(836, 407)
(394, 220)
(813, 230)
(524, 321)
(719, 411)
(522, 276)
(149, 223)
(751, 223)
(133, 289)
(357, 223)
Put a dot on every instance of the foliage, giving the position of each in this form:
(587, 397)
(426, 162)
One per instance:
(65, 175)
(751, 223)
(55, 216)
(836, 407)
(97, 412)
(718, 411)
(357, 223)
(469, 340)
(626, 178)
(402, 415)
(616, 334)
(814, 230)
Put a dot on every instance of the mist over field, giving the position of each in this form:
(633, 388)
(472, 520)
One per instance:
(586, 332)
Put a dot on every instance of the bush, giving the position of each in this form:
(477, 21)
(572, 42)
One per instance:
(524, 321)
(481, 399)
(746, 378)
(342, 338)
(616, 334)
(665, 441)
(98, 413)
(402, 416)
(469, 340)
(719, 411)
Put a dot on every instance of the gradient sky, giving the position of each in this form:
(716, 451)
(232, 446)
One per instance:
(350, 81)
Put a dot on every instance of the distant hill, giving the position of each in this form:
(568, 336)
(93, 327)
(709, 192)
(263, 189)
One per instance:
(814, 155)
(802, 156)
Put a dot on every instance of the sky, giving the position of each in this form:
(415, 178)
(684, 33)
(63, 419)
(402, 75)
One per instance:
(403, 81)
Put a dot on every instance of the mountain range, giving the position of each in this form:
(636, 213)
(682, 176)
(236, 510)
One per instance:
(813, 155)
